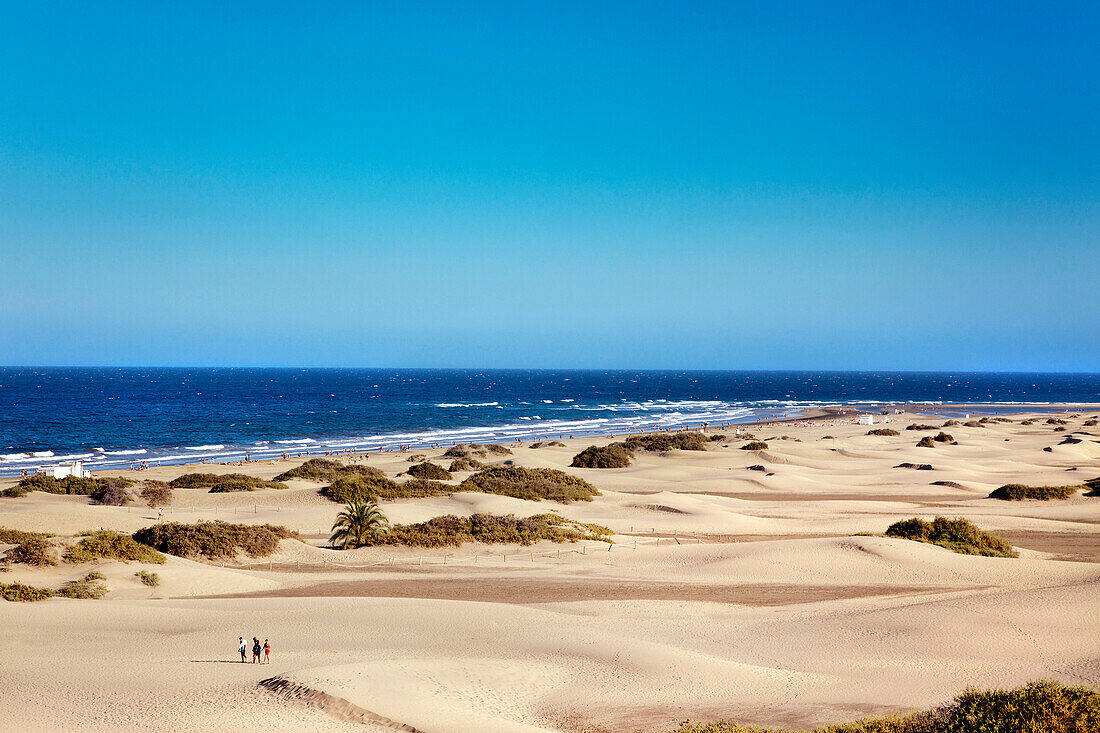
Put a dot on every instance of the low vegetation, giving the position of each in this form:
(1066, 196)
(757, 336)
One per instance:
(34, 550)
(214, 540)
(113, 493)
(547, 444)
(16, 536)
(465, 464)
(21, 593)
(84, 486)
(150, 579)
(918, 426)
(429, 471)
(951, 423)
(14, 492)
(1038, 707)
(926, 442)
(156, 493)
(615, 455)
(532, 484)
(367, 488)
(973, 424)
(223, 482)
(466, 450)
(452, 531)
(755, 445)
(90, 588)
(943, 437)
(105, 543)
(1020, 492)
(659, 442)
(361, 523)
(957, 535)
(327, 469)
(883, 431)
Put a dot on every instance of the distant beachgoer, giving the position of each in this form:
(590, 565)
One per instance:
(256, 649)
(160, 514)
(267, 652)
(244, 650)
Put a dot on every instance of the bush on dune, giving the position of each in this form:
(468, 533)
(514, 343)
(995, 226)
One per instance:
(150, 579)
(105, 543)
(957, 535)
(660, 442)
(35, 550)
(615, 455)
(452, 531)
(214, 540)
(465, 450)
(14, 492)
(230, 482)
(943, 437)
(1020, 492)
(113, 493)
(883, 431)
(429, 471)
(465, 464)
(1038, 707)
(156, 493)
(755, 445)
(926, 442)
(327, 469)
(918, 426)
(532, 484)
(82, 485)
(366, 488)
(547, 444)
(20, 593)
(90, 588)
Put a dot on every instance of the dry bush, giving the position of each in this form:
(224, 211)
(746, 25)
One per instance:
(429, 471)
(659, 442)
(615, 455)
(452, 531)
(1020, 492)
(213, 540)
(884, 431)
(156, 493)
(530, 483)
(105, 543)
(957, 535)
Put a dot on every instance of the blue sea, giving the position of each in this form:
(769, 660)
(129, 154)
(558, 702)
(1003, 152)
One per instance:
(112, 416)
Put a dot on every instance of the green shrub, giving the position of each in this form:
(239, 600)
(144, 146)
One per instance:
(755, 445)
(1037, 707)
(883, 431)
(105, 543)
(452, 531)
(943, 437)
(327, 469)
(150, 579)
(112, 493)
(367, 488)
(82, 485)
(18, 592)
(214, 540)
(615, 455)
(90, 588)
(530, 483)
(35, 550)
(430, 471)
(156, 493)
(465, 450)
(231, 482)
(17, 536)
(14, 492)
(659, 442)
(917, 426)
(957, 535)
(1019, 492)
(465, 464)
(926, 442)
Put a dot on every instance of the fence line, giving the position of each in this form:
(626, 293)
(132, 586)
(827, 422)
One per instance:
(448, 559)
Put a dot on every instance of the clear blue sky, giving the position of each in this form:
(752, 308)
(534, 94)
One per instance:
(712, 185)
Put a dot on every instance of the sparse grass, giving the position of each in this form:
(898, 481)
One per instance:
(755, 445)
(1038, 707)
(150, 579)
(105, 543)
(957, 535)
(85, 486)
(90, 588)
(1020, 492)
(213, 540)
(615, 455)
(156, 493)
(659, 442)
(926, 442)
(452, 531)
(429, 471)
(222, 482)
(532, 484)
(890, 432)
(21, 593)
(465, 464)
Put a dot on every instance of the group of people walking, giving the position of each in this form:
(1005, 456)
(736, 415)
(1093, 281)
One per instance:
(261, 653)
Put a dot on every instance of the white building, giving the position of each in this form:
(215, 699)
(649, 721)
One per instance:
(61, 470)
(866, 419)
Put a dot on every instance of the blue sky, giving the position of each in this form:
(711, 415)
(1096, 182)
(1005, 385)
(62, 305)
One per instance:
(664, 185)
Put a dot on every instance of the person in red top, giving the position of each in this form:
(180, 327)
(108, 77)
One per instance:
(267, 652)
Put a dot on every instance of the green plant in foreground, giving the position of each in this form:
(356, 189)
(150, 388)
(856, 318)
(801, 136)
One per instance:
(357, 524)
(1037, 707)
(957, 535)
(150, 579)
(21, 593)
(90, 587)
(35, 550)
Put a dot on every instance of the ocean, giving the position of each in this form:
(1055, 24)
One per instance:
(111, 417)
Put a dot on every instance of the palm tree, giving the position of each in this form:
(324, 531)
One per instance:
(357, 522)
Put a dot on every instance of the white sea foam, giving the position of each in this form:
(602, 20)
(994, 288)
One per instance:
(136, 452)
(204, 447)
(468, 404)
(300, 441)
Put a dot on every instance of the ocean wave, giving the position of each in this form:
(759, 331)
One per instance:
(204, 447)
(468, 404)
(136, 452)
(300, 441)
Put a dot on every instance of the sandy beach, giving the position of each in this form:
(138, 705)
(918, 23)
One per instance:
(763, 595)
